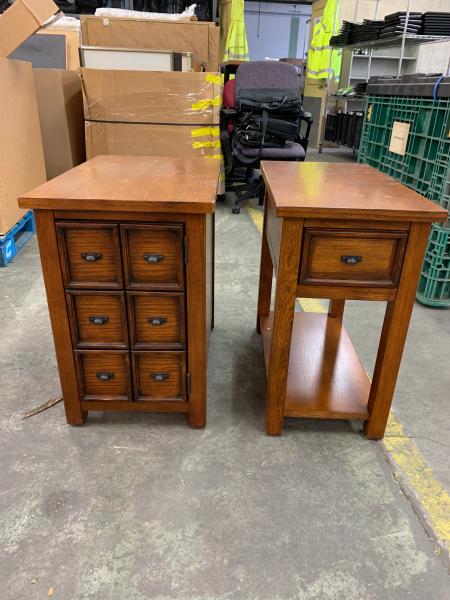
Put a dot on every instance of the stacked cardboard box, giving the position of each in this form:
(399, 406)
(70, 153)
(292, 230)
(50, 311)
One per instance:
(198, 37)
(22, 161)
(151, 113)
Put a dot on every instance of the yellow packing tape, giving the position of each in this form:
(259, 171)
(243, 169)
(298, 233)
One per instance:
(201, 131)
(208, 144)
(205, 104)
(213, 156)
(211, 78)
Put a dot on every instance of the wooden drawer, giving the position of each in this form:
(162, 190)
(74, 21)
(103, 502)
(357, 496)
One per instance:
(156, 320)
(90, 255)
(153, 256)
(159, 376)
(104, 375)
(97, 319)
(356, 258)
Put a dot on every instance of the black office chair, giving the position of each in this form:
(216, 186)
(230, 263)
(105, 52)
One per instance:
(264, 122)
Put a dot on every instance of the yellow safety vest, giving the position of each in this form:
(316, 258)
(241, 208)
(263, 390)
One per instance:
(323, 61)
(236, 47)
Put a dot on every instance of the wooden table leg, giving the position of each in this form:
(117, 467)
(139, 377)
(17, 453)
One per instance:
(336, 309)
(54, 287)
(197, 326)
(393, 334)
(265, 277)
(287, 278)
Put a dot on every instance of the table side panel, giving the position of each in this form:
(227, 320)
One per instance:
(54, 286)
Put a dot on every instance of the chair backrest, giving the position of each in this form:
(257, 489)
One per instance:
(228, 94)
(265, 74)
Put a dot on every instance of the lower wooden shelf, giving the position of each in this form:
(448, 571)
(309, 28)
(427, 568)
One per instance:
(326, 379)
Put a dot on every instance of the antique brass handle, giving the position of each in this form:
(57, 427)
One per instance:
(105, 376)
(157, 321)
(99, 320)
(154, 258)
(351, 260)
(159, 376)
(91, 256)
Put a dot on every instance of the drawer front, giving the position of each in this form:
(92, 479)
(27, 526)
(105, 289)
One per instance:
(90, 255)
(153, 256)
(159, 376)
(365, 258)
(98, 319)
(104, 375)
(156, 320)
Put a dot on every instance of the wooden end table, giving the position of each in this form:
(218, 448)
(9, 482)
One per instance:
(336, 231)
(127, 252)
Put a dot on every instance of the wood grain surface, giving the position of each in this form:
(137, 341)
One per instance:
(98, 319)
(54, 287)
(156, 320)
(130, 183)
(325, 379)
(92, 364)
(163, 243)
(169, 366)
(335, 190)
(77, 241)
(379, 254)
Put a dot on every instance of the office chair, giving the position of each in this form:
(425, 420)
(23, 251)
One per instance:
(261, 118)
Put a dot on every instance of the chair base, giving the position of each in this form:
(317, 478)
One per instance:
(245, 192)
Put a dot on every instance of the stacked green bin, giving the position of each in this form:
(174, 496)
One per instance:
(425, 168)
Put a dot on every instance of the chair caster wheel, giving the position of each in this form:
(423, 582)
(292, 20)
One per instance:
(235, 210)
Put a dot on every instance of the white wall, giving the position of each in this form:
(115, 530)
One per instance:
(272, 39)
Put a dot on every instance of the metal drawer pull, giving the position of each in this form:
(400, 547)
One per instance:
(157, 320)
(91, 256)
(159, 376)
(154, 258)
(351, 260)
(104, 376)
(99, 320)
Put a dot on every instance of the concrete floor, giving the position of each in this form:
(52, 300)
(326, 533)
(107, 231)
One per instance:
(142, 507)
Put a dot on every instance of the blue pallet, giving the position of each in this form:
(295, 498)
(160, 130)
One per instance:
(15, 239)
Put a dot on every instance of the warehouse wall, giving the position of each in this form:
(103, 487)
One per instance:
(276, 30)
(366, 8)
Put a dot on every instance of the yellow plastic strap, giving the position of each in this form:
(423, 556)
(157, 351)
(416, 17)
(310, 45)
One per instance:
(211, 78)
(205, 104)
(213, 156)
(201, 131)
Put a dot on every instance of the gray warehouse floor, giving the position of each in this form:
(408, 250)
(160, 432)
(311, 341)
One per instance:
(142, 507)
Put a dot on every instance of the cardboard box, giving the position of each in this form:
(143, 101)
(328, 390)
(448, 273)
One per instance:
(21, 20)
(201, 38)
(22, 161)
(60, 105)
(151, 140)
(152, 97)
(151, 113)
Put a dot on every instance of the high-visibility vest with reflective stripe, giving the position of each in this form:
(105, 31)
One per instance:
(236, 47)
(323, 61)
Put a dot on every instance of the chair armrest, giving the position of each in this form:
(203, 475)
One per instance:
(229, 113)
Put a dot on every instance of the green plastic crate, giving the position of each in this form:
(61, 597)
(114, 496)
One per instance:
(426, 165)
(434, 284)
(425, 168)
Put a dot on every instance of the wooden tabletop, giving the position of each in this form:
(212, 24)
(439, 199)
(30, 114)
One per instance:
(343, 190)
(131, 183)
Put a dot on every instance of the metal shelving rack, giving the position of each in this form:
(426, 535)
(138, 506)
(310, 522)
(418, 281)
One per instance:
(394, 42)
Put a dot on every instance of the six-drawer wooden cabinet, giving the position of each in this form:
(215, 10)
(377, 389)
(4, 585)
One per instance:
(128, 270)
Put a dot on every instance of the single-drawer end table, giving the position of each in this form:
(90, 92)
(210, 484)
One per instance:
(336, 231)
(127, 252)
